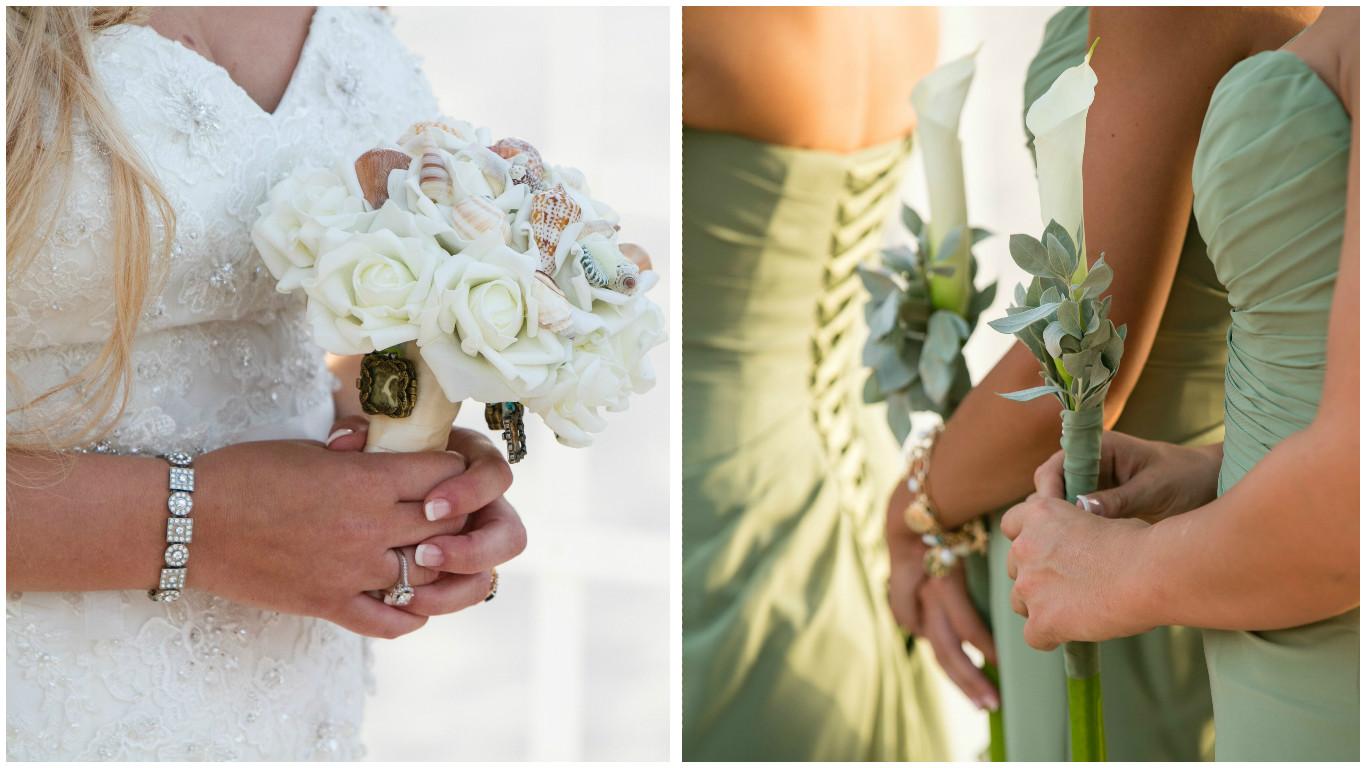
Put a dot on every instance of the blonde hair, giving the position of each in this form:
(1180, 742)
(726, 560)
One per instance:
(50, 85)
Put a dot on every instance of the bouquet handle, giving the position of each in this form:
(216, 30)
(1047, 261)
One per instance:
(427, 427)
(1081, 435)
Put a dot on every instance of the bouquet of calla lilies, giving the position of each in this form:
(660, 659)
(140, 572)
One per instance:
(464, 268)
(923, 303)
(1062, 318)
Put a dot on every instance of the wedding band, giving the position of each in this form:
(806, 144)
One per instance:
(401, 593)
(493, 586)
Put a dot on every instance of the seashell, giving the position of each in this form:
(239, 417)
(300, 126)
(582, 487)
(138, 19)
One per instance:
(604, 266)
(490, 165)
(473, 216)
(638, 256)
(598, 227)
(372, 171)
(434, 179)
(553, 310)
(551, 211)
(527, 166)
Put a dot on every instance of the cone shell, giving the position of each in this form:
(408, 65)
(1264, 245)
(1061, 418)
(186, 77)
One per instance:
(551, 211)
(474, 216)
(435, 179)
(527, 167)
(372, 171)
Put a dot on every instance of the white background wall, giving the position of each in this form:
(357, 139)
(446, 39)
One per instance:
(1002, 197)
(571, 661)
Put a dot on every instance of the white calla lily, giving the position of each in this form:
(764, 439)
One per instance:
(938, 100)
(1058, 121)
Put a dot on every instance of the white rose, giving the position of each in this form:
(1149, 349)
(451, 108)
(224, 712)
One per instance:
(369, 290)
(301, 212)
(602, 373)
(479, 329)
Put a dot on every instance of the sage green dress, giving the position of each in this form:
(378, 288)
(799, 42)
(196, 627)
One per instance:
(789, 649)
(1155, 688)
(1270, 195)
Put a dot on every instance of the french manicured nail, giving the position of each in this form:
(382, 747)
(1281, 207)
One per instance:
(343, 432)
(990, 702)
(428, 555)
(437, 509)
(1089, 504)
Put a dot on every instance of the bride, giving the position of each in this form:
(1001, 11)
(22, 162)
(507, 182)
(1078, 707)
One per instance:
(152, 365)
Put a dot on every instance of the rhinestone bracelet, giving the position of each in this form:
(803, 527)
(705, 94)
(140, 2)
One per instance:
(179, 528)
(945, 547)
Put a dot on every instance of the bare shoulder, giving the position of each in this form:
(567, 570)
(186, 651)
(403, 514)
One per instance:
(1331, 46)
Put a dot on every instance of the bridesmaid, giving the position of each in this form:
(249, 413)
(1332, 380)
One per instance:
(796, 124)
(1256, 540)
(1156, 69)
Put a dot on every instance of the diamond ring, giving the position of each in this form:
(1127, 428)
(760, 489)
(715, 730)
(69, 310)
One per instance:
(401, 593)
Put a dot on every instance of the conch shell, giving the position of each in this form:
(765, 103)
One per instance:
(473, 216)
(527, 166)
(372, 171)
(604, 265)
(551, 211)
(434, 179)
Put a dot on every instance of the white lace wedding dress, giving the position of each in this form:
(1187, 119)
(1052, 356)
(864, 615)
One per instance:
(220, 358)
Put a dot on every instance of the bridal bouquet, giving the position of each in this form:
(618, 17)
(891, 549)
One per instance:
(464, 268)
(1063, 320)
(923, 304)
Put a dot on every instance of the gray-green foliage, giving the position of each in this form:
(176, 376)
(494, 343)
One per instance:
(1063, 320)
(915, 350)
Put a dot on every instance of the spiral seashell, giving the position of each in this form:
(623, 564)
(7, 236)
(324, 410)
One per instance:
(527, 166)
(473, 216)
(372, 172)
(604, 266)
(551, 211)
(434, 179)
(638, 256)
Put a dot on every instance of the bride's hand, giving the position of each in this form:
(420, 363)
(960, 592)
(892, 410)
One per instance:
(1139, 478)
(290, 526)
(485, 530)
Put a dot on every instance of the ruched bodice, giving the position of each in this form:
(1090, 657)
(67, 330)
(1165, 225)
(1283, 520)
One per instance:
(790, 651)
(1270, 194)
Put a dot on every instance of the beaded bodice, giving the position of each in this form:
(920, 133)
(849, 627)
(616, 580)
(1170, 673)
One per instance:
(220, 357)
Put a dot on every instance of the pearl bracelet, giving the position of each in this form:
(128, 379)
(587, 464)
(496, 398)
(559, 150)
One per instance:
(179, 529)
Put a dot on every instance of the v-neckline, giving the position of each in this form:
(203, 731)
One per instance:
(293, 76)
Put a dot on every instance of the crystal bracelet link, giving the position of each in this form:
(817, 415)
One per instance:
(179, 528)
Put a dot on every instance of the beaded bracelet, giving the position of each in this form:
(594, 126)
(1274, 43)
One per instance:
(945, 547)
(179, 529)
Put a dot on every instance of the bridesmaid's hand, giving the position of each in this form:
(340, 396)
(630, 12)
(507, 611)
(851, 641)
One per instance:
(1071, 572)
(1139, 478)
(906, 552)
(949, 619)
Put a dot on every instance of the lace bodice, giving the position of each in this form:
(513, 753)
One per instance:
(220, 357)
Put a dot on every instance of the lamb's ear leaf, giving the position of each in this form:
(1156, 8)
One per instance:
(878, 282)
(1061, 262)
(884, 319)
(1067, 318)
(979, 303)
(912, 220)
(1097, 279)
(1030, 255)
(1052, 338)
(979, 234)
(1013, 323)
(949, 245)
(1064, 238)
(1025, 395)
(899, 416)
(871, 392)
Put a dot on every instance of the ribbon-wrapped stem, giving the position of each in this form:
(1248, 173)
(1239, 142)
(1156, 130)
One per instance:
(1081, 434)
(408, 411)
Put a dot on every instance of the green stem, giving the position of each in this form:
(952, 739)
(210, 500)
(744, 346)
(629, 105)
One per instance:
(1081, 433)
(996, 748)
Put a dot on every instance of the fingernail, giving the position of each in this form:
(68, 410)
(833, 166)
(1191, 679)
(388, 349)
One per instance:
(437, 509)
(428, 555)
(1089, 504)
(991, 703)
(343, 432)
